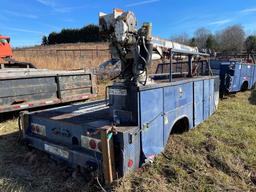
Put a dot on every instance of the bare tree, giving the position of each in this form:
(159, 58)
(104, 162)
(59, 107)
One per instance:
(201, 35)
(232, 39)
(182, 38)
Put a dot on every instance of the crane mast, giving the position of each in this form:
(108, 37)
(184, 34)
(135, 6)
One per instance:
(136, 48)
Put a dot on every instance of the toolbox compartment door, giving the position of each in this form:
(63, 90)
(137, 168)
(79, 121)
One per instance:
(206, 99)
(211, 92)
(254, 75)
(198, 102)
(151, 121)
(235, 81)
(178, 104)
(246, 74)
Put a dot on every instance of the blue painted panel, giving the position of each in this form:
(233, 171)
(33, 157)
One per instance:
(206, 99)
(254, 75)
(169, 101)
(246, 74)
(171, 116)
(211, 92)
(235, 83)
(71, 130)
(175, 109)
(198, 102)
(175, 115)
(251, 80)
(151, 114)
(251, 83)
(184, 94)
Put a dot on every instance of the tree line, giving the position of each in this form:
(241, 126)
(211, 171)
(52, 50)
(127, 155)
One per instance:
(231, 39)
(89, 33)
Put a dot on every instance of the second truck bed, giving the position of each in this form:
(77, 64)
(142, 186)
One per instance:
(22, 88)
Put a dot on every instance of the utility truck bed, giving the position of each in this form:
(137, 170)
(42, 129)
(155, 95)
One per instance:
(75, 133)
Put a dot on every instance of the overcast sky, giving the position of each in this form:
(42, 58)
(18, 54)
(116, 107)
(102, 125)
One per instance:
(26, 21)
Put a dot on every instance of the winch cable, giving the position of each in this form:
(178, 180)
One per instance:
(97, 172)
(102, 188)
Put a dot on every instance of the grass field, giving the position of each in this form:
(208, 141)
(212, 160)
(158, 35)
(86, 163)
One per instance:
(65, 56)
(68, 56)
(219, 155)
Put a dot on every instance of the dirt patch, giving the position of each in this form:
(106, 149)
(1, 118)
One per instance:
(252, 174)
(233, 143)
(210, 144)
(221, 165)
(253, 177)
(169, 173)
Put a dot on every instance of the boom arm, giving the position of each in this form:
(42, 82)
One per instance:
(136, 47)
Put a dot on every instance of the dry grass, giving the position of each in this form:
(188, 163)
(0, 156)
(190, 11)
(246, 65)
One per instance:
(66, 56)
(219, 155)
(95, 45)
(61, 57)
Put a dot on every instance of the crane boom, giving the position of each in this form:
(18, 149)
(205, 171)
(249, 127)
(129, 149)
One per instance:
(176, 47)
(137, 47)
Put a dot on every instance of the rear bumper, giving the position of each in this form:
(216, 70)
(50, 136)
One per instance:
(72, 156)
(29, 105)
(42, 103)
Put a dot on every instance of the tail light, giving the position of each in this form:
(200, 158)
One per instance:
(38, 129)
(91, 143)
(130, 163)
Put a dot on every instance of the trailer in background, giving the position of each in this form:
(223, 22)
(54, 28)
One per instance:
(23, 87)
(234, 75)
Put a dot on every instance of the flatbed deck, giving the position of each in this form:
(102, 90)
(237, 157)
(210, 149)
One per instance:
(24, 88)
(22, 73)
(78, 114)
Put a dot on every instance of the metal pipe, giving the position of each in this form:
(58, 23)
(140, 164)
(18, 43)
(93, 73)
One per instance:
(170, 69)
(253, 58)
(189, 65)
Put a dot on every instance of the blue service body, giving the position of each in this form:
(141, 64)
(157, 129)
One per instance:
(234, 76)
(144, 117)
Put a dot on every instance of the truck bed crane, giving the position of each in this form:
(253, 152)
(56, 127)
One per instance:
(119, 134)
(137, 47)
